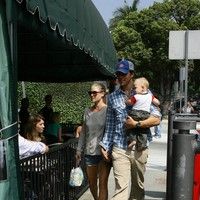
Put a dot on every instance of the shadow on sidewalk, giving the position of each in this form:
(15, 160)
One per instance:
(154, 195)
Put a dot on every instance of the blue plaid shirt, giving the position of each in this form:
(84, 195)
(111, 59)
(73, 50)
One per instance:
(114, 134)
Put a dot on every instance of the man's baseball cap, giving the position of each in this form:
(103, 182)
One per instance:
(125, 66)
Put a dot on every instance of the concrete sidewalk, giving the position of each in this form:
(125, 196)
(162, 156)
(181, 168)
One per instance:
(164, 131)
(155, 176)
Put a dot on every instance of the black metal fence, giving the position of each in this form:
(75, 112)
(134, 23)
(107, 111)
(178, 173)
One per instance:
(46, 177)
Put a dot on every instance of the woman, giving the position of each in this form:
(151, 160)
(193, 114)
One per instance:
(34, 135)
(34, 129)
(189, 108)
(91, 134)
(33, 145)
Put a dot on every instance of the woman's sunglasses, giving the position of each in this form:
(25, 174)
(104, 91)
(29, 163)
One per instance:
(93, 92)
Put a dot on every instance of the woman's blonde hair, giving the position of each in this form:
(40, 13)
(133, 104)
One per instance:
(101, 86)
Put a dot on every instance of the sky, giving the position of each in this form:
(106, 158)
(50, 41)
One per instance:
(107, 7)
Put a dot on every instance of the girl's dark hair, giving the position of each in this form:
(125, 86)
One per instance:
(31, 125)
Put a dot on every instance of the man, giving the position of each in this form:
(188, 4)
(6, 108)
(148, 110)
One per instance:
(24, 115)
(47, 111)
(126, 162)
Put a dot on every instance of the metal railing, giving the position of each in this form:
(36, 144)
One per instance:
(46, 177)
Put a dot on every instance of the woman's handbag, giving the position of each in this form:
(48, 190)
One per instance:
(76, 177)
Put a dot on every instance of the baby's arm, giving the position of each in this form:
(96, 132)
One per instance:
(155, 101)
(131, 101)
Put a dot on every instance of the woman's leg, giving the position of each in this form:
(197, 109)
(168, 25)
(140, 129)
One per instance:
(92, 179)
(103, 171)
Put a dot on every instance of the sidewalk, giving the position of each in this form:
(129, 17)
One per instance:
(155, 176)
(164, 131)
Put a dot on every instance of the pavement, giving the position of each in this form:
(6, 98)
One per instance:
(155, 176)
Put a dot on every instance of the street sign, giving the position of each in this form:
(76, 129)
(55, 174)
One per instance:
(184, 45)
(177, 46)
(182, 74)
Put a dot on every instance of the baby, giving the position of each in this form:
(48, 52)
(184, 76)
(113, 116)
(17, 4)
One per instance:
(140, 103)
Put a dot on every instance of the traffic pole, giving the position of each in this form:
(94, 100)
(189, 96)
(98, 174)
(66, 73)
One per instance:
(171, 116)
(183, 160)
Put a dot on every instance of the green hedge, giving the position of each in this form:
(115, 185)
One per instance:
(70, 99)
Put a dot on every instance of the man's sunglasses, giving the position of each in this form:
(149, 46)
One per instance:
(120, 74)
(93, 92)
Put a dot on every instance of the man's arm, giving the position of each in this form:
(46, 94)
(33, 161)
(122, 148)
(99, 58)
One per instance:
(153, 120)
(107, 140)
(147, 123)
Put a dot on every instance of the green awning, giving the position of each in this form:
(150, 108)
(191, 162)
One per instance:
(10, 184)
(45, 40)
(63, 41)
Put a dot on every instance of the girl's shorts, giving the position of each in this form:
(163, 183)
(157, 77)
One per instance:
(93, 159)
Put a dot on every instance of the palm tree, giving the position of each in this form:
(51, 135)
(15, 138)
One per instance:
(122, 12)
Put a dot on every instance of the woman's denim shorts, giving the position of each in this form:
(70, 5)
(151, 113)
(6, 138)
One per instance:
(93, 159)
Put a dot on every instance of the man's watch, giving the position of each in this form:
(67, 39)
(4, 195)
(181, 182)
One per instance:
(138, 124)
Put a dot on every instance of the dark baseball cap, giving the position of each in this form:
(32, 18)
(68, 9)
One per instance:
(125, 66)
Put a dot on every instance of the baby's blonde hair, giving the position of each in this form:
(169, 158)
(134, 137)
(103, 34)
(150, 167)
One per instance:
(143, 81)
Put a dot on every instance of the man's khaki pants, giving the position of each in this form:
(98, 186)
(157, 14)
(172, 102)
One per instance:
(129, 164)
